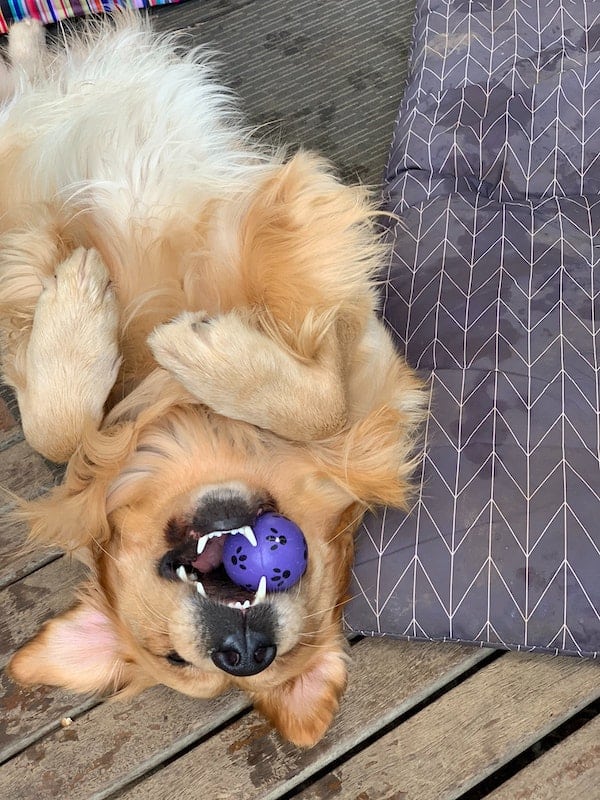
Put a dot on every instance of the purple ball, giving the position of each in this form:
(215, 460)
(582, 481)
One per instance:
(280, 555)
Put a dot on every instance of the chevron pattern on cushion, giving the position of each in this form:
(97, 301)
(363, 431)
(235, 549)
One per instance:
(494, 291)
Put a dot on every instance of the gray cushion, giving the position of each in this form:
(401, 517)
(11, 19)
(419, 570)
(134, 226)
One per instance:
(494, 292)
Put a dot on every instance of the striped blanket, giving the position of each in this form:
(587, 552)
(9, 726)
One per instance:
(49, 11)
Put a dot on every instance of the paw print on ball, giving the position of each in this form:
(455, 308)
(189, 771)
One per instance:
(275, 539)
(281, 555)
(280, 577)
(238, 558)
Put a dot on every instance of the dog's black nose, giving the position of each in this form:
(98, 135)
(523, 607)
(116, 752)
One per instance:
(244, 652)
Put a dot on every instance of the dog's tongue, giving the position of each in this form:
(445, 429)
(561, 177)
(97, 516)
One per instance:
(212, 556)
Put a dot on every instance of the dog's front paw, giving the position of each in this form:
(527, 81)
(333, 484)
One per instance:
(79, 288)
(183, 346)
(73, 353)
(176, 344)
(213, 357)
(230, 365)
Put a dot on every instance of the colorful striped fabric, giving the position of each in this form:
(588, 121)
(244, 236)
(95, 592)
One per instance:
(49, 11)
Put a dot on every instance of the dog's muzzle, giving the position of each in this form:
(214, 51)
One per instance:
(238, 625)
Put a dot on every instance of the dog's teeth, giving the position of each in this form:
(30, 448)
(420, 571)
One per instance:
(248, 533)
(200, 589)
(261, 592)
(202, 543)
(238, 604)
(182, 574)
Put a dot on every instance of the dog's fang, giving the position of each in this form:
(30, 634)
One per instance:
(200, 589)
(202, 543)
(261, 592)
(248, 533)
(181, 573)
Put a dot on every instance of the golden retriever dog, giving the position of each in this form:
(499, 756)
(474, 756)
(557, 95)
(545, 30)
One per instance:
(188, 318)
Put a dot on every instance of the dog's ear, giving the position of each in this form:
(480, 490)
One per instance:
(302, 708)
(374, 459)
(74, 514)
(79, 650)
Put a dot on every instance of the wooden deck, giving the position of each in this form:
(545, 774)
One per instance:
(419, 721)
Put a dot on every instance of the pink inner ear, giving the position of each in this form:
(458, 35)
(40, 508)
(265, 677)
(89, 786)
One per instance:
(307, 691)
(85, 638)
(303, 707)
(82, 650)
(79, 650)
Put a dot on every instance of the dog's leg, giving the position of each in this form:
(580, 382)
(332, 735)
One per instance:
(26, 46)
(72, 357)
(307, 249)
(241, 373)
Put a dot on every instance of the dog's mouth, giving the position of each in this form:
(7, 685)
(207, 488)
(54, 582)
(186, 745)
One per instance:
(199, 561)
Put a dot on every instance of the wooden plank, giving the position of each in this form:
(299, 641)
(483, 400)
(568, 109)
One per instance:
(23, 472)
(468, 733)
(249, 761)
(17, 557)
(25, 605)
(27, 715)
(570, 769)
(10, 430)
(113, 743)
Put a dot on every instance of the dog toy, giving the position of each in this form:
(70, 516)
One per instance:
(280, 555)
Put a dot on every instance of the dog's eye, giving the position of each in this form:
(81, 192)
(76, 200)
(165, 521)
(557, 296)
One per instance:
(176, 659)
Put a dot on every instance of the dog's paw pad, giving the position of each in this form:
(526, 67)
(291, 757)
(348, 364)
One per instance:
(186, 347)
(201, 325)
(181, 334)
(196, 320)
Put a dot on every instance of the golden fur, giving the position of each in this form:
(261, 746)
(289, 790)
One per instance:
(180, 310)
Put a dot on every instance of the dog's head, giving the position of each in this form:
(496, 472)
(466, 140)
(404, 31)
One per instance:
(136, 500)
